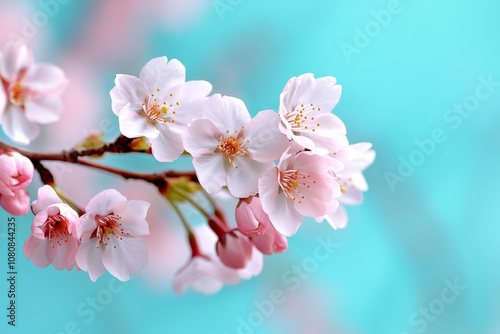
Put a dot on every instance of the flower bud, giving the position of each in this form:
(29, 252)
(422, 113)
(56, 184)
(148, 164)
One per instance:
(234, 249)
(250, 217)
(270, 242)
(16, 173)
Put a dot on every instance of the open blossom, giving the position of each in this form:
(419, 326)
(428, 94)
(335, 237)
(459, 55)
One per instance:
(356, 158)
(231, 149)
(301, 185)
(109, 233)
(253, 222)
(30, 93)
(16, 173)
(305, 109)
(159, 105)
(53, 232)
(205, 272)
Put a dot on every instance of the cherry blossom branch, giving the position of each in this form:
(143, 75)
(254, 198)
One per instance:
(75, 156)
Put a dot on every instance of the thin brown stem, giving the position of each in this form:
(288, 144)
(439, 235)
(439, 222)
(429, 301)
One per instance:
(76, 157)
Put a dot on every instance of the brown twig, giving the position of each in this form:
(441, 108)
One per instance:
(76, 156)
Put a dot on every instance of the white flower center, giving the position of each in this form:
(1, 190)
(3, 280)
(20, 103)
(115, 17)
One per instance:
(160, 109)
(17, 94)
(291, 181)
(301, 118)
(232, 146)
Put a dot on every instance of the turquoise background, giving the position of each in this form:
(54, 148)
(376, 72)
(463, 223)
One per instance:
(401, 247)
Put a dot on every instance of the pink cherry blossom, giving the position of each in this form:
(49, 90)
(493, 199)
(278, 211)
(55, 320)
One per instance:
(206, 273)
(231, 149)
(31, 93)
(16, 173)
(305, 109)
(253, 222)
(159, 105)
(301, 185)
(53, 239)
(356, 158)
(109, 233)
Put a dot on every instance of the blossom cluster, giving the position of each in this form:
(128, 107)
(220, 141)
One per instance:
(282, 166)
(106, 237)
(277, 168)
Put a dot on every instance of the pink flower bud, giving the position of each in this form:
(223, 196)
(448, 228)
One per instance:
(254, 222)
(270, 242)
(234, 249)
(16, 173)
(250, 217)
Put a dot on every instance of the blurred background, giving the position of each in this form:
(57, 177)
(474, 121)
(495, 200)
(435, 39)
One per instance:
(421, 255)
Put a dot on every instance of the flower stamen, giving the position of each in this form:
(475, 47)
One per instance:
(231, 147)
(56, 229)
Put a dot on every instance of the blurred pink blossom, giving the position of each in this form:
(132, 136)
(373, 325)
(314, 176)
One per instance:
(16, 173)
(32, 91)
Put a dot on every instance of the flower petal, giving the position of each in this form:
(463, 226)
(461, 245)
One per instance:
(128, 90)
(268, 189)
(18, 205)
(331, 135)
(103, 202)
(34, 249)
(339, 218)
(44, 79)
(192, 96)
(202, 134)
(66, 254)
(267, 143)
(286, 220)
(133, 216)
(15, 57)
(210, 169)
(17, 127)
(3, 102)
(128, 258)
(326, 93)
(46, 197)
(86, 225)
(89, 258)
(227, 113)
(295, 89)
(242, 182)
(167, 146)
(44, 110)
(163, 74)
(134, 125)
